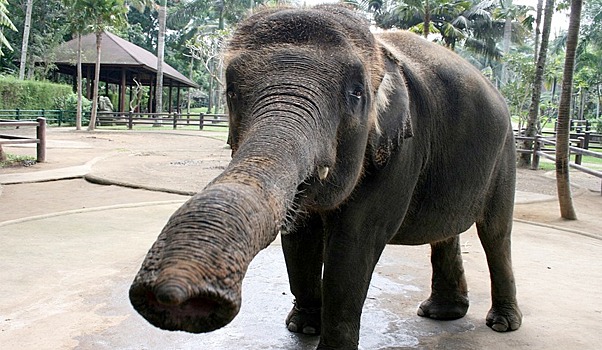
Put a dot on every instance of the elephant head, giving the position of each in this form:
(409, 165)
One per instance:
(304, 91)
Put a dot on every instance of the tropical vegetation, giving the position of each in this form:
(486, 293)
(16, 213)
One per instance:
(497, 36)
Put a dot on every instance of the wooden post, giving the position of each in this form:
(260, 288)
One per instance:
(41, 136)
(178, 100)
(170, 106)
(536, 148)
(88, 84)
(150, 97)
(175, 118)
(579, 156)
(122, 90)
(201, 120)
(130, 120)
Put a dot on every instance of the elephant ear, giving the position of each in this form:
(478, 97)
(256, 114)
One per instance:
(393, 119)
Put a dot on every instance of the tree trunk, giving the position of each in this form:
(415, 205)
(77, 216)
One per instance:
(532, 119)
(160, 56)
(210, 90)
(506, 46)
(24, 44)
(537, 30)
(78, 116)
(567, 211)
(92, 124)
(190, 89)
(427, 20)
(598, 102)
(2, 155)
(582, 98)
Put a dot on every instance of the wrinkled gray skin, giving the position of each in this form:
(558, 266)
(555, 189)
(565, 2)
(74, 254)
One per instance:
(345, 142)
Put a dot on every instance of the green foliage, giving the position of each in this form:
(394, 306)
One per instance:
(29, 94)
(103, 14)
(518, 87)
(69, 103)
(16, 160)
(5, 22)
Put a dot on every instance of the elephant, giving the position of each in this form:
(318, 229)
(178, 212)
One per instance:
(343, 141)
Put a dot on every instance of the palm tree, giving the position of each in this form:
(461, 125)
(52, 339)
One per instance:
(435, 16)
(162, 8)
(26, 28)
(532, 124)
(101, 14)
(212, 26)
(5, 22)
(510, 14)
(77, 26)
(567, 211)
(537, 30)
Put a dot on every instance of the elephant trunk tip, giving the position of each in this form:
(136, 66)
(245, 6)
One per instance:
(171, 307)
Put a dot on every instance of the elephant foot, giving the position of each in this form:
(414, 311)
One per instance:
(504, 318)
(304, 320)
(443, 308)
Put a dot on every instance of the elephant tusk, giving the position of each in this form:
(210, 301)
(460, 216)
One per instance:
(323, 172)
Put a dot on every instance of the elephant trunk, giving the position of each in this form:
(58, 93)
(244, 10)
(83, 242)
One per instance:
(191, 278)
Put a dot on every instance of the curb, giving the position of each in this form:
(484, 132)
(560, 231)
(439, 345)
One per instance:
(89, 210)
(102, 181)
(581, 233)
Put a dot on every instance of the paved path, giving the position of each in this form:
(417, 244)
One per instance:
(70, 248)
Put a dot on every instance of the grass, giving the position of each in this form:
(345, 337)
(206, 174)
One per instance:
(587, 161)
(14, 161)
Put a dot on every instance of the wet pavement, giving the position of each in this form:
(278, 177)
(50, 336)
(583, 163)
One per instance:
(66, 271)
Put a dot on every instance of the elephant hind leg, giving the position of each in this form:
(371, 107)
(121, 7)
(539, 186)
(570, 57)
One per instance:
(449, 293)
(494, 233)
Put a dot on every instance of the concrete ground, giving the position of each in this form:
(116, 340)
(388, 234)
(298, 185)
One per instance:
(74, 230)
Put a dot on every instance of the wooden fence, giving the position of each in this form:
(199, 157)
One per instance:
(582, 143)
(540, 150)
(129, 119)
(40, 139)
(174, 120)
(53, 116)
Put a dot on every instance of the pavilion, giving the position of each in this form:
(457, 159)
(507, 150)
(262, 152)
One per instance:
(123, 64)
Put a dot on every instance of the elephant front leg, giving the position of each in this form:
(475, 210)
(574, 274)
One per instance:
(449, 293)
(303, 251)
(349, 263)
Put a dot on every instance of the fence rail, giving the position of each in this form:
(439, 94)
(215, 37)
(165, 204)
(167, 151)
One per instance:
(582, 142)
(539, 150)
(40, 139)
(159, 119)
(130, 119)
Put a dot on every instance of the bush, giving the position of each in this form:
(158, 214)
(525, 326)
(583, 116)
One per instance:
(30, 94)
(597, 124)
(69, 103)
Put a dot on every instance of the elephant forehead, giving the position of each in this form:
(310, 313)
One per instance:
(290, 26)
(283, 59)
(333, 34)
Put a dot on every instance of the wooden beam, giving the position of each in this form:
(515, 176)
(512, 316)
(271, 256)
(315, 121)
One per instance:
(178, 99)
(122, 89)
(169, 108)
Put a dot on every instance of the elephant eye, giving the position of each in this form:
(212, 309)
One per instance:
(231, 94)
(357, 93)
